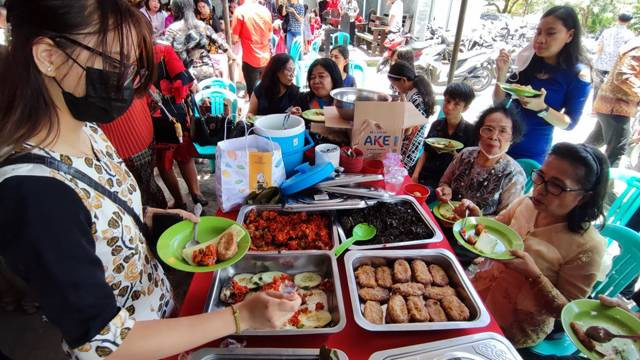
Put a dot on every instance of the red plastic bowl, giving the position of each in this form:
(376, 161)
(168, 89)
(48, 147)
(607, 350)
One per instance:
(419, 192)
(351, 165)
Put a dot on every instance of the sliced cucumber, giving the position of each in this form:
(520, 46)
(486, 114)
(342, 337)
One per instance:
(245, 280)
(266, 277)
(307, 280)
(315, 319)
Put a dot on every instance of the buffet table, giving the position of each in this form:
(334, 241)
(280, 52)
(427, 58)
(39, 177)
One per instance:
(356, 342)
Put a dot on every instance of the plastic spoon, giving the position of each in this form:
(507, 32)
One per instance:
(603, 335)
(361, 232)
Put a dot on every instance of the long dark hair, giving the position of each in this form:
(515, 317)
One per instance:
(344, 52)
(571, 54)
(26, 107)
(270, 82)
(404, 70)
(331, 67)
(516, 126)
(594, 179)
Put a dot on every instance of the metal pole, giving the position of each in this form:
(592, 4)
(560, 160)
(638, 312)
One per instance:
(456, 44)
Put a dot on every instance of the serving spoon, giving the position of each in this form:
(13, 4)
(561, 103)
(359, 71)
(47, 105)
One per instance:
(603, 335)
(361, 232)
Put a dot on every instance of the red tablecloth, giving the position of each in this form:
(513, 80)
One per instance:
(356, 342)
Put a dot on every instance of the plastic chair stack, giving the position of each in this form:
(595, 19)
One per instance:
(628, 202)
(340, 38)
(528, 166)
(314, 48)
(216, 97)
(625, 267)
(217, 83)
(296, 49)
(356, 69)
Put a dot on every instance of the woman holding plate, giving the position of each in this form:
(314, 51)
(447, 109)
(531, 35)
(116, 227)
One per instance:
(553, 65)
(71, 210)
(563, 251)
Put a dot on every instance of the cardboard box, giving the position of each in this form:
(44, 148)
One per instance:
(378, 127)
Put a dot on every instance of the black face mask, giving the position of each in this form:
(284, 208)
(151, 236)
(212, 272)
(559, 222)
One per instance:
(100, 104)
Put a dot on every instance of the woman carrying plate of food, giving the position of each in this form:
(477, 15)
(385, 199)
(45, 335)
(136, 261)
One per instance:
(563, 251)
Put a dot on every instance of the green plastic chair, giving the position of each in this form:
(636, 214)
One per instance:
(274, 42)
(628, 202)
(217, 83)
(625, 267)
(302, 67)
(314, 48)
(216, 97)
(296, 49)
(356, 69)
(528, 166)
(340, 38)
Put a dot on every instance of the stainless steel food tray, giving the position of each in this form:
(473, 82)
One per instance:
(437, 235)
(244, 211)
(483, 346)
(466, 293)
(260, 353)
(322, 262)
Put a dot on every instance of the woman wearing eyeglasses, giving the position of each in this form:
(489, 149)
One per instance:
(484, 178)
(563, 251)
(73, 224)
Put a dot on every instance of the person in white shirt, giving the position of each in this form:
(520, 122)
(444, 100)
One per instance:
(610, 41)
(351, 8)
(152, 12)
(395, 16)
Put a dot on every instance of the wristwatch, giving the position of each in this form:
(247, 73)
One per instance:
(544, 112)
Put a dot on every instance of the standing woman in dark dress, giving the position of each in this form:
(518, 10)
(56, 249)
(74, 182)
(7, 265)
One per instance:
(276, 92)
(558, 69)
(70, 65)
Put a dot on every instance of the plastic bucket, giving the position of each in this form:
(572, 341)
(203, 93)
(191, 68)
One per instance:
(291, 137)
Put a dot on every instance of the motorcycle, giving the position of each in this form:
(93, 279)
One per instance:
(395, 42)
(475, 68)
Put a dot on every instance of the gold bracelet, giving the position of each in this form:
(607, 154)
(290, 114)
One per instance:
(236, 318)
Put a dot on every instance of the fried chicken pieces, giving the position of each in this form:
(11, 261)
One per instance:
(405, 291)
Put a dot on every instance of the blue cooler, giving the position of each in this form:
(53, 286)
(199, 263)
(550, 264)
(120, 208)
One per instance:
(291, 137)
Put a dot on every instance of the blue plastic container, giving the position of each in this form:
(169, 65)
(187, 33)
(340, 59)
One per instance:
(290, 136)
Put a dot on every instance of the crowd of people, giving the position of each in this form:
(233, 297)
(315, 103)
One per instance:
(111, 89)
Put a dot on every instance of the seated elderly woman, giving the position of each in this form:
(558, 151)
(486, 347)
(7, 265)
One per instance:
(323, 76)
(276, 92)
(562, 249)
(485, 177)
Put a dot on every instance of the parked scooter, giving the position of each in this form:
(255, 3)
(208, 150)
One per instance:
(394, 43)
(475, 68)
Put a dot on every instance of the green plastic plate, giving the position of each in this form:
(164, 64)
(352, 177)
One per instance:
(443, 209)
(443, 144)
(174, 239)
(507, 238)
(316, 115)
(520, 92)
(588, 312)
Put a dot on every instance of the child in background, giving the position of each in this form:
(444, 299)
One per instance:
(281, 46)
(432, 164)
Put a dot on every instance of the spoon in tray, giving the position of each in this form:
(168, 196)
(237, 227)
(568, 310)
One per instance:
(361, 232)
(197, 210)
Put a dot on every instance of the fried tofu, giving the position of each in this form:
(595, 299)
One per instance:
(366, 276)
(373, 312)
(439, 292)
(383, 277)
(417, 309)
(408, 289)
(454, 308)
(435, 311)
(374, 294)
(401, 271)
(439, 276)
(421, 272)
(397, 312)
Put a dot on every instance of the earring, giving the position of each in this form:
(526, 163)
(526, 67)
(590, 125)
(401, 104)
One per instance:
(50, 68)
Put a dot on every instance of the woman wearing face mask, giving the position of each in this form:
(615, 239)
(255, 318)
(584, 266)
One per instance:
(276, 92)
(419, 92)
(323, 76)
(152, 12)
(556, 69)
(194, 41)
(563, 251)
(70, 209)
(485, 178)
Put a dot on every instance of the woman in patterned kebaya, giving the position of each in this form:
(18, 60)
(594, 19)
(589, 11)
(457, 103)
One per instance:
(69, 66)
